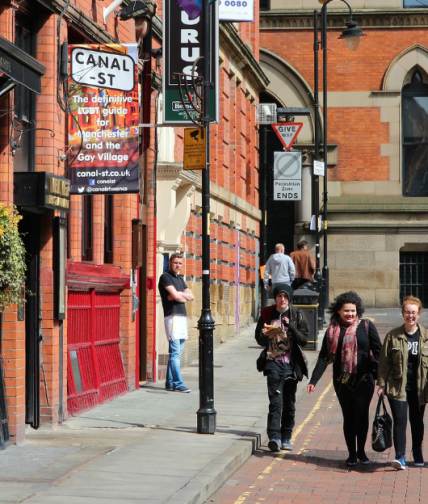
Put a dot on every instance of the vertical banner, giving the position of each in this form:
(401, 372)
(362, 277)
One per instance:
(103, 133)
(183, 44)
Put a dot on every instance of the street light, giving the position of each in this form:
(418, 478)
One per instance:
(352, 36)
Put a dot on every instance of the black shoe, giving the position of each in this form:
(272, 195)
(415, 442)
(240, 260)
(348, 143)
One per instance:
(418, 458)
(362, 457)
(351, 461)
(274, 445)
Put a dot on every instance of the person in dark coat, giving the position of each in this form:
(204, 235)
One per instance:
(347, 343)
(285, 363)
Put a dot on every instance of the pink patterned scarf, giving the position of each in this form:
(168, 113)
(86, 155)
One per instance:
(349, 347)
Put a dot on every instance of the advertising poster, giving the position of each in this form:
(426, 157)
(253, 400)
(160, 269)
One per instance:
(103, 133)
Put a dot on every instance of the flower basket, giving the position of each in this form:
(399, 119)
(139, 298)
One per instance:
(12, 258)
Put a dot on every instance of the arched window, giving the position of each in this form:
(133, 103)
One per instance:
(415, 136)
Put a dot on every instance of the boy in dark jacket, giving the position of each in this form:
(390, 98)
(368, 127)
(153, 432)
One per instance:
(284, 368)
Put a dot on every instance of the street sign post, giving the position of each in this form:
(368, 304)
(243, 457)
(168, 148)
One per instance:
(194, 149)
(287, 176)
(287, 133)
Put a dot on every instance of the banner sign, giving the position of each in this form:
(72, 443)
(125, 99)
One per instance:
(183, 44)
(287, 176)
(236, 10)
(103, 133)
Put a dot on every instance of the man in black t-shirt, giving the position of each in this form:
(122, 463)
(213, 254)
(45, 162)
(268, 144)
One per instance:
(175, 294)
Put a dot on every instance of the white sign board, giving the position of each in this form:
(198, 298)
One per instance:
(319, 168)
(236, 10)
(287, 175)
(102, 69)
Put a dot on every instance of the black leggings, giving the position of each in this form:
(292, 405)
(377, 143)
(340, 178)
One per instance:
(355, 409)
(416, 417)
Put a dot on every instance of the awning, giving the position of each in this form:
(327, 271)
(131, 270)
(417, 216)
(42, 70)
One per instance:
(20, 67)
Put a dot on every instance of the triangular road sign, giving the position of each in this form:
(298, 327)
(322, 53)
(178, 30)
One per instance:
(287, 133)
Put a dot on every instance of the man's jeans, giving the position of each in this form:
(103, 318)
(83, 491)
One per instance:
(173, 374)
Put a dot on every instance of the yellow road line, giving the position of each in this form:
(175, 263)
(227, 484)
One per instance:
(309, 416)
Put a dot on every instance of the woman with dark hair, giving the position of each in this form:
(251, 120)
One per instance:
(347, 343)
(402, 378)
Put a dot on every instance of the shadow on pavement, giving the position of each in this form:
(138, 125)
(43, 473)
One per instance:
(329, 460)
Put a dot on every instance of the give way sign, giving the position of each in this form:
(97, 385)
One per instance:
(287, 133)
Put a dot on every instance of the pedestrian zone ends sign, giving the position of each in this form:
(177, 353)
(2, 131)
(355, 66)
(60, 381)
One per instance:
(287, 133)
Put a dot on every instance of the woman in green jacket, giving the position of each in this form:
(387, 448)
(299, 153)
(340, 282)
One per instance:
(402, 378)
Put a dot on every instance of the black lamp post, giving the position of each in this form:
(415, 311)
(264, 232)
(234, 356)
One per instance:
(206, 415)
(352, 36)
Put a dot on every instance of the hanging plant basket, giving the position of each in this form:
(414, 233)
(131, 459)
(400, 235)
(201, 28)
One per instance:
(12, 258)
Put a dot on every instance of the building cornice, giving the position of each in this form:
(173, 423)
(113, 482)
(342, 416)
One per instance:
(376, 204)
(293, 19)
(243, 56)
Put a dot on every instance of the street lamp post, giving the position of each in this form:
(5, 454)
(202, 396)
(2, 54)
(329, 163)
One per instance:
(352, 36)
(206, 415)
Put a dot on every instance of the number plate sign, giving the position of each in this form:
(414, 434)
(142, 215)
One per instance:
(287, 175)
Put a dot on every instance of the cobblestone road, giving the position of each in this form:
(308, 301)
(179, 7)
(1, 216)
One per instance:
(315, 471)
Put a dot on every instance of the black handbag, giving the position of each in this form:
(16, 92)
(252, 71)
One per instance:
(261, 361)
(382, 428)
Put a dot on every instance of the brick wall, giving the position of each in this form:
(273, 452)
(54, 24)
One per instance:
(48, 149)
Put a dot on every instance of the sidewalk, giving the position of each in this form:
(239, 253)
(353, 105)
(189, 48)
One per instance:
(143, 447)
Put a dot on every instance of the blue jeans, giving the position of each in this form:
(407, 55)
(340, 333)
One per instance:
(173, 374)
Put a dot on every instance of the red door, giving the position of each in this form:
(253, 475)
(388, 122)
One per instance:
(95, 367)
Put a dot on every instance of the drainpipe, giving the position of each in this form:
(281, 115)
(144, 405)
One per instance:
(108, 10)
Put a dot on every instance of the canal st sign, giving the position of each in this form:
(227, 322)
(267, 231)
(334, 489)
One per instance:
(183, 44)
(103, 133)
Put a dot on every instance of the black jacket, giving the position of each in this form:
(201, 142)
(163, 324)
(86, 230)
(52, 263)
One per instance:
(298, 330)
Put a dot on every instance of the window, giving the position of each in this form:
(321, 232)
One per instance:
(87, 227)
(108, 229)
(24, 101)
(415, 136)
(413, 4)
(264, 5)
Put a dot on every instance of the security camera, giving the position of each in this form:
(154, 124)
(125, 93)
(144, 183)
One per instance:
(63, 157)
(267, 111)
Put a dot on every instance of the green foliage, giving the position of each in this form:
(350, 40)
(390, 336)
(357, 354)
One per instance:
(12, 258)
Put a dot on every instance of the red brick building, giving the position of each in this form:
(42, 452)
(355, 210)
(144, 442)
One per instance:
(70, 348)
(376, 122)
(96, 345)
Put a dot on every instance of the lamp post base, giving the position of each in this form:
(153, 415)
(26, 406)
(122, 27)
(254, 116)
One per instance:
(206, 421)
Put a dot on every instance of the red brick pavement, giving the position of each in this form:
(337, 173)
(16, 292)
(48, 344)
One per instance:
(315, 471)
